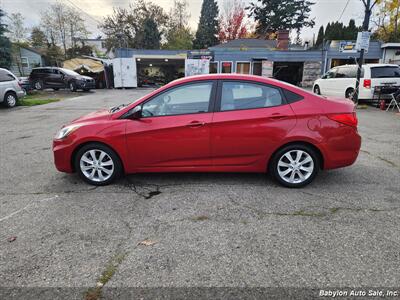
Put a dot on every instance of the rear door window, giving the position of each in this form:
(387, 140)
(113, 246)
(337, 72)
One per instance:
(243, 95)
(385, 72)
(5, 76)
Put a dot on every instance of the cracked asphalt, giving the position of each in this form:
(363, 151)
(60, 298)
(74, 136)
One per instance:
(205, 230)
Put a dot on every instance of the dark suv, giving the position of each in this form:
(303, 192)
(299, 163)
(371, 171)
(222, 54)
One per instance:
(59, 78)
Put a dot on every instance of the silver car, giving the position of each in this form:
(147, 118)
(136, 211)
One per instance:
(10, 89)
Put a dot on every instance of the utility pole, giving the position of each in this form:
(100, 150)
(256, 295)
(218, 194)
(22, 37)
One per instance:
(365, 27)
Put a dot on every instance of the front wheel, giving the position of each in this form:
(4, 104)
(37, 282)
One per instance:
(97, 164)
(10, 100)
(72, 86)
(317, 90)
(295, 165)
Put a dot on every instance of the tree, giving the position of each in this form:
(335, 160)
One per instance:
(178, 33)
(320, 37)
(18, 33)
(5, 44)
(125, 27)
(273, 15)
(63, 25)
(387, 21)
(232, 22)
(339, 31)
(153, 36)
(207, 31)
(38, 38)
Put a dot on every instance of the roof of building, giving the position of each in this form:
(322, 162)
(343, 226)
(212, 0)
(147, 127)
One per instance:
(40, 51)
(248, 43)
(390, 45)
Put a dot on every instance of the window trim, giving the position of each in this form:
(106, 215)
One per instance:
(242, 61)
(227, 61)
(217, 106)
(211, 104)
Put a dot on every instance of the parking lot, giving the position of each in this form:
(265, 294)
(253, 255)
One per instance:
(200, 230)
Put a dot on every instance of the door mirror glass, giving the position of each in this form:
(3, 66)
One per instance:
(136, 113)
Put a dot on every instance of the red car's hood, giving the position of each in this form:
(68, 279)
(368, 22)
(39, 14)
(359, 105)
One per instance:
(94, 116)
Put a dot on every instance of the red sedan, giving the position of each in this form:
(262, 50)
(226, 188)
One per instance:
(214, 123)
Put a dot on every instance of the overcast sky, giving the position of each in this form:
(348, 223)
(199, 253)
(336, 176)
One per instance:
(323, 11)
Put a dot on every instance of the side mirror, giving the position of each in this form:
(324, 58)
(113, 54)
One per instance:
(136, 113)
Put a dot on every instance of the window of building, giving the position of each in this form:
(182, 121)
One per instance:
(226, 67)
(243, 95)
(24, 62)
(257, 68)
(243, 67)
(213, 67)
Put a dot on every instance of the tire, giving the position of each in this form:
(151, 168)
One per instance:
(281, 164)
(86, 90)
(10, 100)
(349, 93)
(38, 85)
(72, 86)
(56, 89)
(317, 90)
(103, 172)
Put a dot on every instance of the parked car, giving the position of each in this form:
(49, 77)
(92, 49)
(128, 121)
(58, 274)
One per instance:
(10, 88)
(59, 78)
(214, 123)
(341, 81)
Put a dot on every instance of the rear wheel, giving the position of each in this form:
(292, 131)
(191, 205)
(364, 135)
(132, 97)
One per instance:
(38, 85)
(97, 164)
(349, 93)
(317, 90)
(56, 89)
(10, 100)
(295, 165)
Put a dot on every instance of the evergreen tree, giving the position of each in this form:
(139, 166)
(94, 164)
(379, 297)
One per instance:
(320, 37)
(152, 35)
(38, 38)
(5, 44)
(207, 32)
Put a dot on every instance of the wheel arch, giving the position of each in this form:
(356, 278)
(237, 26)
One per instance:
(80, 146)
(313, 146)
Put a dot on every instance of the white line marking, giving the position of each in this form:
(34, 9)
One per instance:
(27, 206)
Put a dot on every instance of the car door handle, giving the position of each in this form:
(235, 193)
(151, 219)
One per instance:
(196, 124)
(278, 117)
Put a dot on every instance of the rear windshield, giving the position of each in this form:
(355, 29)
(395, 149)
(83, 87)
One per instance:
(385, 72)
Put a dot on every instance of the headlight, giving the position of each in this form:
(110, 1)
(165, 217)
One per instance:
(64, 132)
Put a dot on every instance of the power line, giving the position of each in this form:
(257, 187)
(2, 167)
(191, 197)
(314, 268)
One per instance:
(77, 7)
(341, 15)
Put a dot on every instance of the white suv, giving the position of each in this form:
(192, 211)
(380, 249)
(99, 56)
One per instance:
(341, 81)
(10, 89)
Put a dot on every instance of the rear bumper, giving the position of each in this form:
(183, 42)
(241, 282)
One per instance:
(63, 156)
(20, 94)
(343, 150)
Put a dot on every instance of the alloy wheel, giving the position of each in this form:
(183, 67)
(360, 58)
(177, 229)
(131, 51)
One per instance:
(38, 85)
(295, 166)
(11, 100)
(96, 165)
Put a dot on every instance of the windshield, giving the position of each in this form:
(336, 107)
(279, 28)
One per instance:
(69, 72)
(385, 72)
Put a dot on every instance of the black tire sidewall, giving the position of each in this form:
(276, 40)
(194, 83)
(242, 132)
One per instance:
(273, 166)
(347, 93)
(110, 152)
(6, 102)
(73, 89)
(317, 90)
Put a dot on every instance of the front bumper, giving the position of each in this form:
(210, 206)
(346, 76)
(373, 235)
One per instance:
(62, 151)
(86, 84)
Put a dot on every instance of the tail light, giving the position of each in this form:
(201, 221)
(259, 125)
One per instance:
(349, 119)
(367, 83)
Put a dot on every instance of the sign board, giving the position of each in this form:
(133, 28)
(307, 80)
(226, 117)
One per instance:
(267, 68)
(197, 67)
(347, 47)
(363, 40)
(200, 54)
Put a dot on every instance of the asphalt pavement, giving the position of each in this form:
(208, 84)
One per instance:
(193, 230)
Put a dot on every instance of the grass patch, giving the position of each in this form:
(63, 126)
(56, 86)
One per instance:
(32, 101)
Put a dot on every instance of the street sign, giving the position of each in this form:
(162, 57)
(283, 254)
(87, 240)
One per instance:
(347, 47)
(363, 40)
